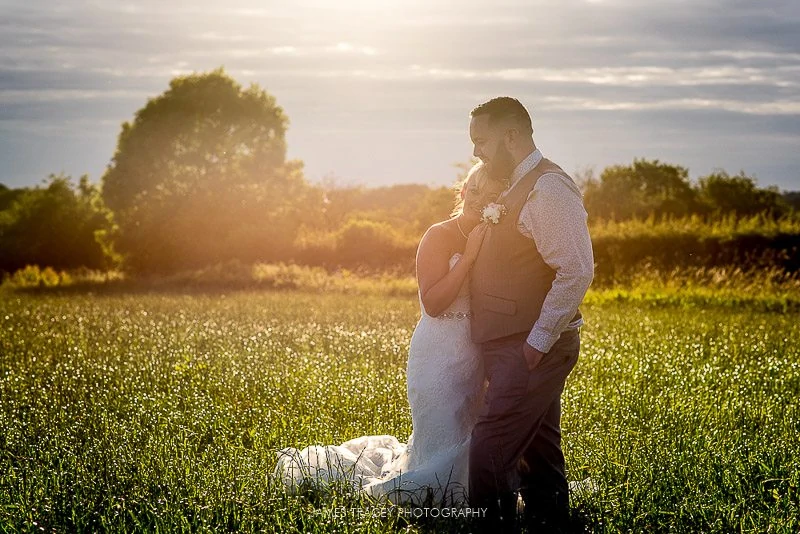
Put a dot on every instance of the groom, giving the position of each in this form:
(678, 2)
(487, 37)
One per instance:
(529, 278)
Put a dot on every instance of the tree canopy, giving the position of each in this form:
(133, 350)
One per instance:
(57, 225)
(739, 195)
(638, 190)
(651, 188)
(201, 176)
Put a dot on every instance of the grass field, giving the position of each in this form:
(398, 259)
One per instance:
(163, 411)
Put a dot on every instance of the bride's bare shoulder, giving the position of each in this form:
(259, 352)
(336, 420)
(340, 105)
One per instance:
(444, 230)
(439, 241)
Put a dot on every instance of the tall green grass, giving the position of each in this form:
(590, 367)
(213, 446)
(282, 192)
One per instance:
(147, 411)
(766, 289)
(721, 226)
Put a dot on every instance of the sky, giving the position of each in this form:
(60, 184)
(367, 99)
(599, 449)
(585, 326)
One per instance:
(379, 92)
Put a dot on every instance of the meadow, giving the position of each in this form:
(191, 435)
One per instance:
(162, 409)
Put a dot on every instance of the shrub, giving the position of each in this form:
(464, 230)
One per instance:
(28, 276)
(372, 244)
(49, 278)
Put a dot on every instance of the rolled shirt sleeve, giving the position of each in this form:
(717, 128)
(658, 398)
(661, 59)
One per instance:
(554, 217)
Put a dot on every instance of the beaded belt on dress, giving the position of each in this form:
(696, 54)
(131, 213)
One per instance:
(455, 315)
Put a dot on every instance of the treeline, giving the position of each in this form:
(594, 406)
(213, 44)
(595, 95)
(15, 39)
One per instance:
(200, 178)
(66, 226)
(654, 189)
(61, 224)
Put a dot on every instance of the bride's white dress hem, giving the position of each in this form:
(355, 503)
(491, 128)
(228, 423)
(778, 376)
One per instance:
(445, 391)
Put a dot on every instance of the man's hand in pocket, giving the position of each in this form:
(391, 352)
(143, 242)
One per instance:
(532, 356)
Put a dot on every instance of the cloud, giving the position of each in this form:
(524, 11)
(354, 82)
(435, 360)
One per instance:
(56, 95)
(683, 104)
(714, 67)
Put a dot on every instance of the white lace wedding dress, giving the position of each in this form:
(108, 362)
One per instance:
(445, 391)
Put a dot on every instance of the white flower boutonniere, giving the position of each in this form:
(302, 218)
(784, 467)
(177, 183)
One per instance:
(492, 212)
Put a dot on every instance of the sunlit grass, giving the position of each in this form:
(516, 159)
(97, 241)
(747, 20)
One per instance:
(164, 411)
(765, 289)
(722, 226)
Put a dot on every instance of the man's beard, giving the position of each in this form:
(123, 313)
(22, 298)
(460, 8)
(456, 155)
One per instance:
(501, 165)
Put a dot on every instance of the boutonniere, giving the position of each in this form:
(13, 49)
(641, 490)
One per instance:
(492, 212)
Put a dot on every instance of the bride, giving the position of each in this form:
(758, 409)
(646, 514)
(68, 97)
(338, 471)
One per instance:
(445, 379)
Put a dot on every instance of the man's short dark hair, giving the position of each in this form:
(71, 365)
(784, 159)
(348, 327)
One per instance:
(505, 108)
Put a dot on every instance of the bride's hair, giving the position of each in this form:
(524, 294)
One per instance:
(481, 174)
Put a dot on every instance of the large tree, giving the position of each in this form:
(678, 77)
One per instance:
(200, 176)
